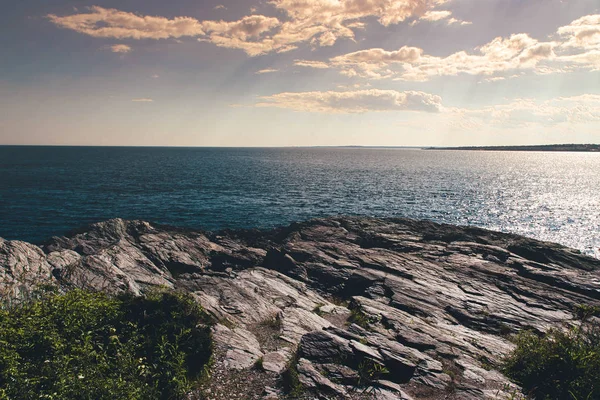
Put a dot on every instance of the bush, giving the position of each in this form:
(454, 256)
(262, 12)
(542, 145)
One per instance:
(559, 365)
(83, 345)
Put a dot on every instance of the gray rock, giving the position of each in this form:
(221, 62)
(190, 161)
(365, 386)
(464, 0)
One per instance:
(242, 348)
(426, 297)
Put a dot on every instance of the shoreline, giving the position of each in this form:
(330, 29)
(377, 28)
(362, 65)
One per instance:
(576, 148)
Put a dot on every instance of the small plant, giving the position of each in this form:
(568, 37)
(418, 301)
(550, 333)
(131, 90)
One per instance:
(227, 323)
(369, 372)
(451, 369)
(259, 364)
(360, 318)
(509, 393)
(273, 322)
(584, 312)
(317, 309)
(290, 378)
(486, 363)
(338, 301)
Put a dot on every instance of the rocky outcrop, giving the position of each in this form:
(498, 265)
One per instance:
(351, 307)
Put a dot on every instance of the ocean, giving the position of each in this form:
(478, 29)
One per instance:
(49, 191)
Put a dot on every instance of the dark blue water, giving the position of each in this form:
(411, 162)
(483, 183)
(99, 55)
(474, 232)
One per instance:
(46, 191)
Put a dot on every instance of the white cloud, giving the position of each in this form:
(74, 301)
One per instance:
(142, 100)
(359, 101)
(120, 48)
(111, 23)
(266, 71)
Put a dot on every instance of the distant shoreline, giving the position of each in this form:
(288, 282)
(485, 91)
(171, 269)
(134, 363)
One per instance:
(551, 147)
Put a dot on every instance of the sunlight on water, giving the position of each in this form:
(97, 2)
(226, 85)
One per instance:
(549, 196)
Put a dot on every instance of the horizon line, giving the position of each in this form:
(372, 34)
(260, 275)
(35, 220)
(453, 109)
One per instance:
(302, 146)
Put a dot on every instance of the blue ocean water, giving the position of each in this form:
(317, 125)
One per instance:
(47, 191)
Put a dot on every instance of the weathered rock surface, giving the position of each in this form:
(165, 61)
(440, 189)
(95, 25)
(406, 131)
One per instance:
(405, 309)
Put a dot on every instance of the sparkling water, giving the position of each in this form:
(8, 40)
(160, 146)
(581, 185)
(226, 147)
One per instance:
(47, 191)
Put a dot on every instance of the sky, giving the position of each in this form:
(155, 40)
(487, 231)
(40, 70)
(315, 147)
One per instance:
(299, 72)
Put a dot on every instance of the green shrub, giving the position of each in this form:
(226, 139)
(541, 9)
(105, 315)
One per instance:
(559, 365)
(83, 345)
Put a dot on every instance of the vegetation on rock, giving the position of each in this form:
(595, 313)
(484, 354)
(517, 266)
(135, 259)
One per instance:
(83, 345)
(562, 364)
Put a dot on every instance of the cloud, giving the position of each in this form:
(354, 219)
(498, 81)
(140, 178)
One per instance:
(333, 13)
(582, 33)
(359, 101)
(266, 71)
(120, 48)
(142, 100)
(110, 23)
(318, 22)
(578, 47)
(494, 79)
(436, 16)
(380, 56)
(219, 7)
(324, 22)
(311, 64)
(247, 34)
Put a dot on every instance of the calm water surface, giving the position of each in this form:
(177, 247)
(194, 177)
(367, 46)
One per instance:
(46, 191)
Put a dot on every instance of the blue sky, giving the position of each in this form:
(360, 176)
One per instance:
(300, 72)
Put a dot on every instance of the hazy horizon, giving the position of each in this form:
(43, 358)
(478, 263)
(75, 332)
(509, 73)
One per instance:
(308, 73)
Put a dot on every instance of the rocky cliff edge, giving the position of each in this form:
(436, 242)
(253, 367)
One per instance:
(357, 307)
